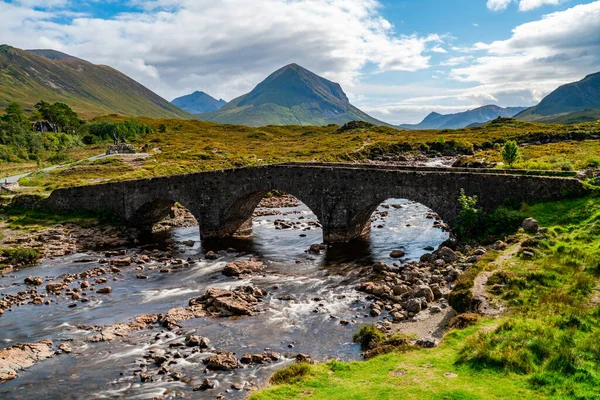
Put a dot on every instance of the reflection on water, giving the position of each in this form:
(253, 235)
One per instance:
(322, 287)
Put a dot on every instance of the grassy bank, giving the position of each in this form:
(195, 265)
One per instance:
(545, 346)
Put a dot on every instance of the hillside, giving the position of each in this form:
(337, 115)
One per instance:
(475, 117)
(30, 76)
(569, 98)
(198, 103)
(291, 95)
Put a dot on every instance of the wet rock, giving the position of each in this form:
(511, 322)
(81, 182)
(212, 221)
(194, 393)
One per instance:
(197, 341)
(240, 268)
(104, 290)
(211, 255)
(205, 385)
(226, 303)
(303, 357)
(413, 306)
(397, 254)
(176, 315)
(122, 262)
(65, 348)
(35, 281)
(141, 276)
(314, 249)
(55, 287)
(222, 362)
(530, 225)
(21, 356)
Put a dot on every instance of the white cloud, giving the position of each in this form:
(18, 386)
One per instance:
(498, 5)
(561, 47)
(225, 47)
(524, 5)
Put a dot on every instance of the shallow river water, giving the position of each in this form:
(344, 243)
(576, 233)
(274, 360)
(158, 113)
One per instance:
(322, 287)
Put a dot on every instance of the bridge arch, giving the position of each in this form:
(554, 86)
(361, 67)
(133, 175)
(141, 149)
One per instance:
(156, 210)
(238, 211)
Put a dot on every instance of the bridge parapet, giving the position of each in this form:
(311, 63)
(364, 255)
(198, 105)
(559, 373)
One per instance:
(343, 197)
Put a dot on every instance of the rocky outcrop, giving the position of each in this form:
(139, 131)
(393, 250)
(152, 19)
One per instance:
(222, 362)
(21, 356)
(226, 303)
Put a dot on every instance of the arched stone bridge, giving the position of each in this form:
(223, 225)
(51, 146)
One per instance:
(342, 196)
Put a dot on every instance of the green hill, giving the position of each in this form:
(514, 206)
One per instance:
(91, 90)
(569, 98)
(291, 95)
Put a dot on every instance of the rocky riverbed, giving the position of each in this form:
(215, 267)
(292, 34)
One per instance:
(174, 317)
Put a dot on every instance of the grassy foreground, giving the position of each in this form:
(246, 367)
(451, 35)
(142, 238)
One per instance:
(547, 345)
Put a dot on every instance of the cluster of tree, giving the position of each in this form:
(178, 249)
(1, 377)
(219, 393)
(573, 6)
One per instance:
(100, 131)
(20, 141)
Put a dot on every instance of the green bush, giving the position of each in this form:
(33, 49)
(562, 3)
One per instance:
(369, 336)
(468, 218)
(503, 221)
(21, 255)
(291, 374)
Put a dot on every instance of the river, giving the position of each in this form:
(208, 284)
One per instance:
(322, 287)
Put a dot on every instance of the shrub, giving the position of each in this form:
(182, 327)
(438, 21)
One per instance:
(510, 153)
(162, 128)
(503, 221)
(369, 336)
(21, 255)
(291, 374)
(468, 218)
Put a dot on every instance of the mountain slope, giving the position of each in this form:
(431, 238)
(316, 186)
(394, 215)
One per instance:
(291, 95)
(91, 90)
(477, 116)
(572, 97)
(198, 103)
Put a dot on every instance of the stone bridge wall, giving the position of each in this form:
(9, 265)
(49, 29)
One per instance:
(343, 197)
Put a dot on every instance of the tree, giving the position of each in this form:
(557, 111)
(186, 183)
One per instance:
(510, 153)
(14, 114)
(60, 115)
(468, 218)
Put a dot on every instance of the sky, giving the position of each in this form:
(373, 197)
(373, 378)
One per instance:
(398, 60)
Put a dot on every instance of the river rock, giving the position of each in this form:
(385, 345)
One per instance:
(122, 262)
(425, 292)
(22, 356)
(55, 287)
(397, 254)
(211, 255)
(530, 225)
(205, 385)
(221, 362)
(104, 290)
(240, 268)
(447, 254)
(196, 341)
(413, 305)
(35, 281)
(226, 303)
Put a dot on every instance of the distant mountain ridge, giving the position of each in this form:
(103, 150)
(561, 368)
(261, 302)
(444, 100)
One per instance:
(28, 76)
(198, 103)
(291, 95)
(582, 97)
(477, 116)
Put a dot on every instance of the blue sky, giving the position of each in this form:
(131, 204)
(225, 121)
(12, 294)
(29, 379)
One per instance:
(397, 60)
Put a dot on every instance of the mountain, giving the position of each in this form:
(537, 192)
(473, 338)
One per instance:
(569, 98)
(291, 95)
(198, 103)
(28, 76)
(475, 117)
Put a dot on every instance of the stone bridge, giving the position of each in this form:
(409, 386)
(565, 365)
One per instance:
(342, 196)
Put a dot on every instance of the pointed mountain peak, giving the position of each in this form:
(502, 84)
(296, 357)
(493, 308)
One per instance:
(198, 102)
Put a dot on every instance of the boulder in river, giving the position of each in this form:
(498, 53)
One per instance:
(34, 280)
(222, 362)
(22, 356)
(240, 268)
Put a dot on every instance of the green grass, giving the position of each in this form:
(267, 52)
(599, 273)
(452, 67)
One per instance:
(546, 346)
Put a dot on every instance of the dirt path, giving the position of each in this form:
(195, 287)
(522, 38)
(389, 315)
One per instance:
(487, 306)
